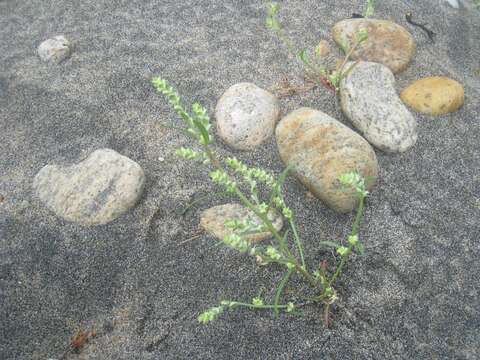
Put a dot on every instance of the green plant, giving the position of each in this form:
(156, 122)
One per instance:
(314, 65)
(370, 10)
(246, 184)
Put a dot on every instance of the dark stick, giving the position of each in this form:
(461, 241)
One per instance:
(429, 32)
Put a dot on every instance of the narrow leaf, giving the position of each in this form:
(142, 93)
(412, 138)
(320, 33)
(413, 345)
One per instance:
(278, 293)
(203, 131)
(330, 244)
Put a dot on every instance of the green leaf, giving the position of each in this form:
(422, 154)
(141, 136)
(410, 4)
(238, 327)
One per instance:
(302, 55)
(283, 175)
(278, 293)
(279, 184)
(370, 10)
(360, 248)
(203, 132)
(330, 244)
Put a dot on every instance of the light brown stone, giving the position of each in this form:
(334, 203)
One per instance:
(436, 95)
(388, 43)
(213, 221)
(95, 191)
(323, 48)
(246, 116)
(320, 149)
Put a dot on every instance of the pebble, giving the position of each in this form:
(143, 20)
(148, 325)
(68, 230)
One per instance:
(369, 99)
(213, 221)
(55, 50)
(388, 43)
(246, 116)
(320, 149)
(95, 191)
(434, 95)
(323, 48)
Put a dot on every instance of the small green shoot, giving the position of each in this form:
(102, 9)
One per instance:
(314, 65)
(370, 10)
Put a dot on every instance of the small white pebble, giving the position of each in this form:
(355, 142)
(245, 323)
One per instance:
(55, 50)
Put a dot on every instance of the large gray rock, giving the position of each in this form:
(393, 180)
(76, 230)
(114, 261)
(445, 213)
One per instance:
(369, 100)
(320, 149)
(246, 116)
(55, 50)
(95, 191)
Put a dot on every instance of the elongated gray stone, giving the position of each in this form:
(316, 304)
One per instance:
(370, 101)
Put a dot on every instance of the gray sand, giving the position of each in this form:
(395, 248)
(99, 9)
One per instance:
(414, 295)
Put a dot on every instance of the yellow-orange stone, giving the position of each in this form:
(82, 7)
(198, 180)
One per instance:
(436, 95)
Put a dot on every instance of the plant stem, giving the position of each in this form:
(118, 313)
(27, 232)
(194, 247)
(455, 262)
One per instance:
(275, 233)
(358, 217)
(306, 275)
(298, 242)
(251, 306)
(347, 56)
(278, 293)
(355, 228)
(262, 217)
(340, 267)
(291, 49)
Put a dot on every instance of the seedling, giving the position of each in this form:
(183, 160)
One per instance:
(315, 65)
(370, 10)
(245, 183)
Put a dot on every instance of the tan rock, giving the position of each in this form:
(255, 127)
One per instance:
(323, 48)
(213, 221)
(95, 191)
(320, 149)
(388, 43)
(436, 95)
(246, 116)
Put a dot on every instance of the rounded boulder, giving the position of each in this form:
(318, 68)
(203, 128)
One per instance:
(320, 149)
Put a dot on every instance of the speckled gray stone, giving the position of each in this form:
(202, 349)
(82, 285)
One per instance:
(94, 191)
(320, 149)
(213, 221)
(55, 50)
(369, 100)
(246, 116)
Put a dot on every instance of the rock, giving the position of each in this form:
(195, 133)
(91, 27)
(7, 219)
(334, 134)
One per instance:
(95, 191)
(246, 116)
(323, 48)
(320, 149)
(388, 43)
(213, 221)
(454, 4)
(369, 100)
(434, 95)
(55, 50)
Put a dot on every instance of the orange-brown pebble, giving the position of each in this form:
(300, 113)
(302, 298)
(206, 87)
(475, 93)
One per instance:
(436, 95)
